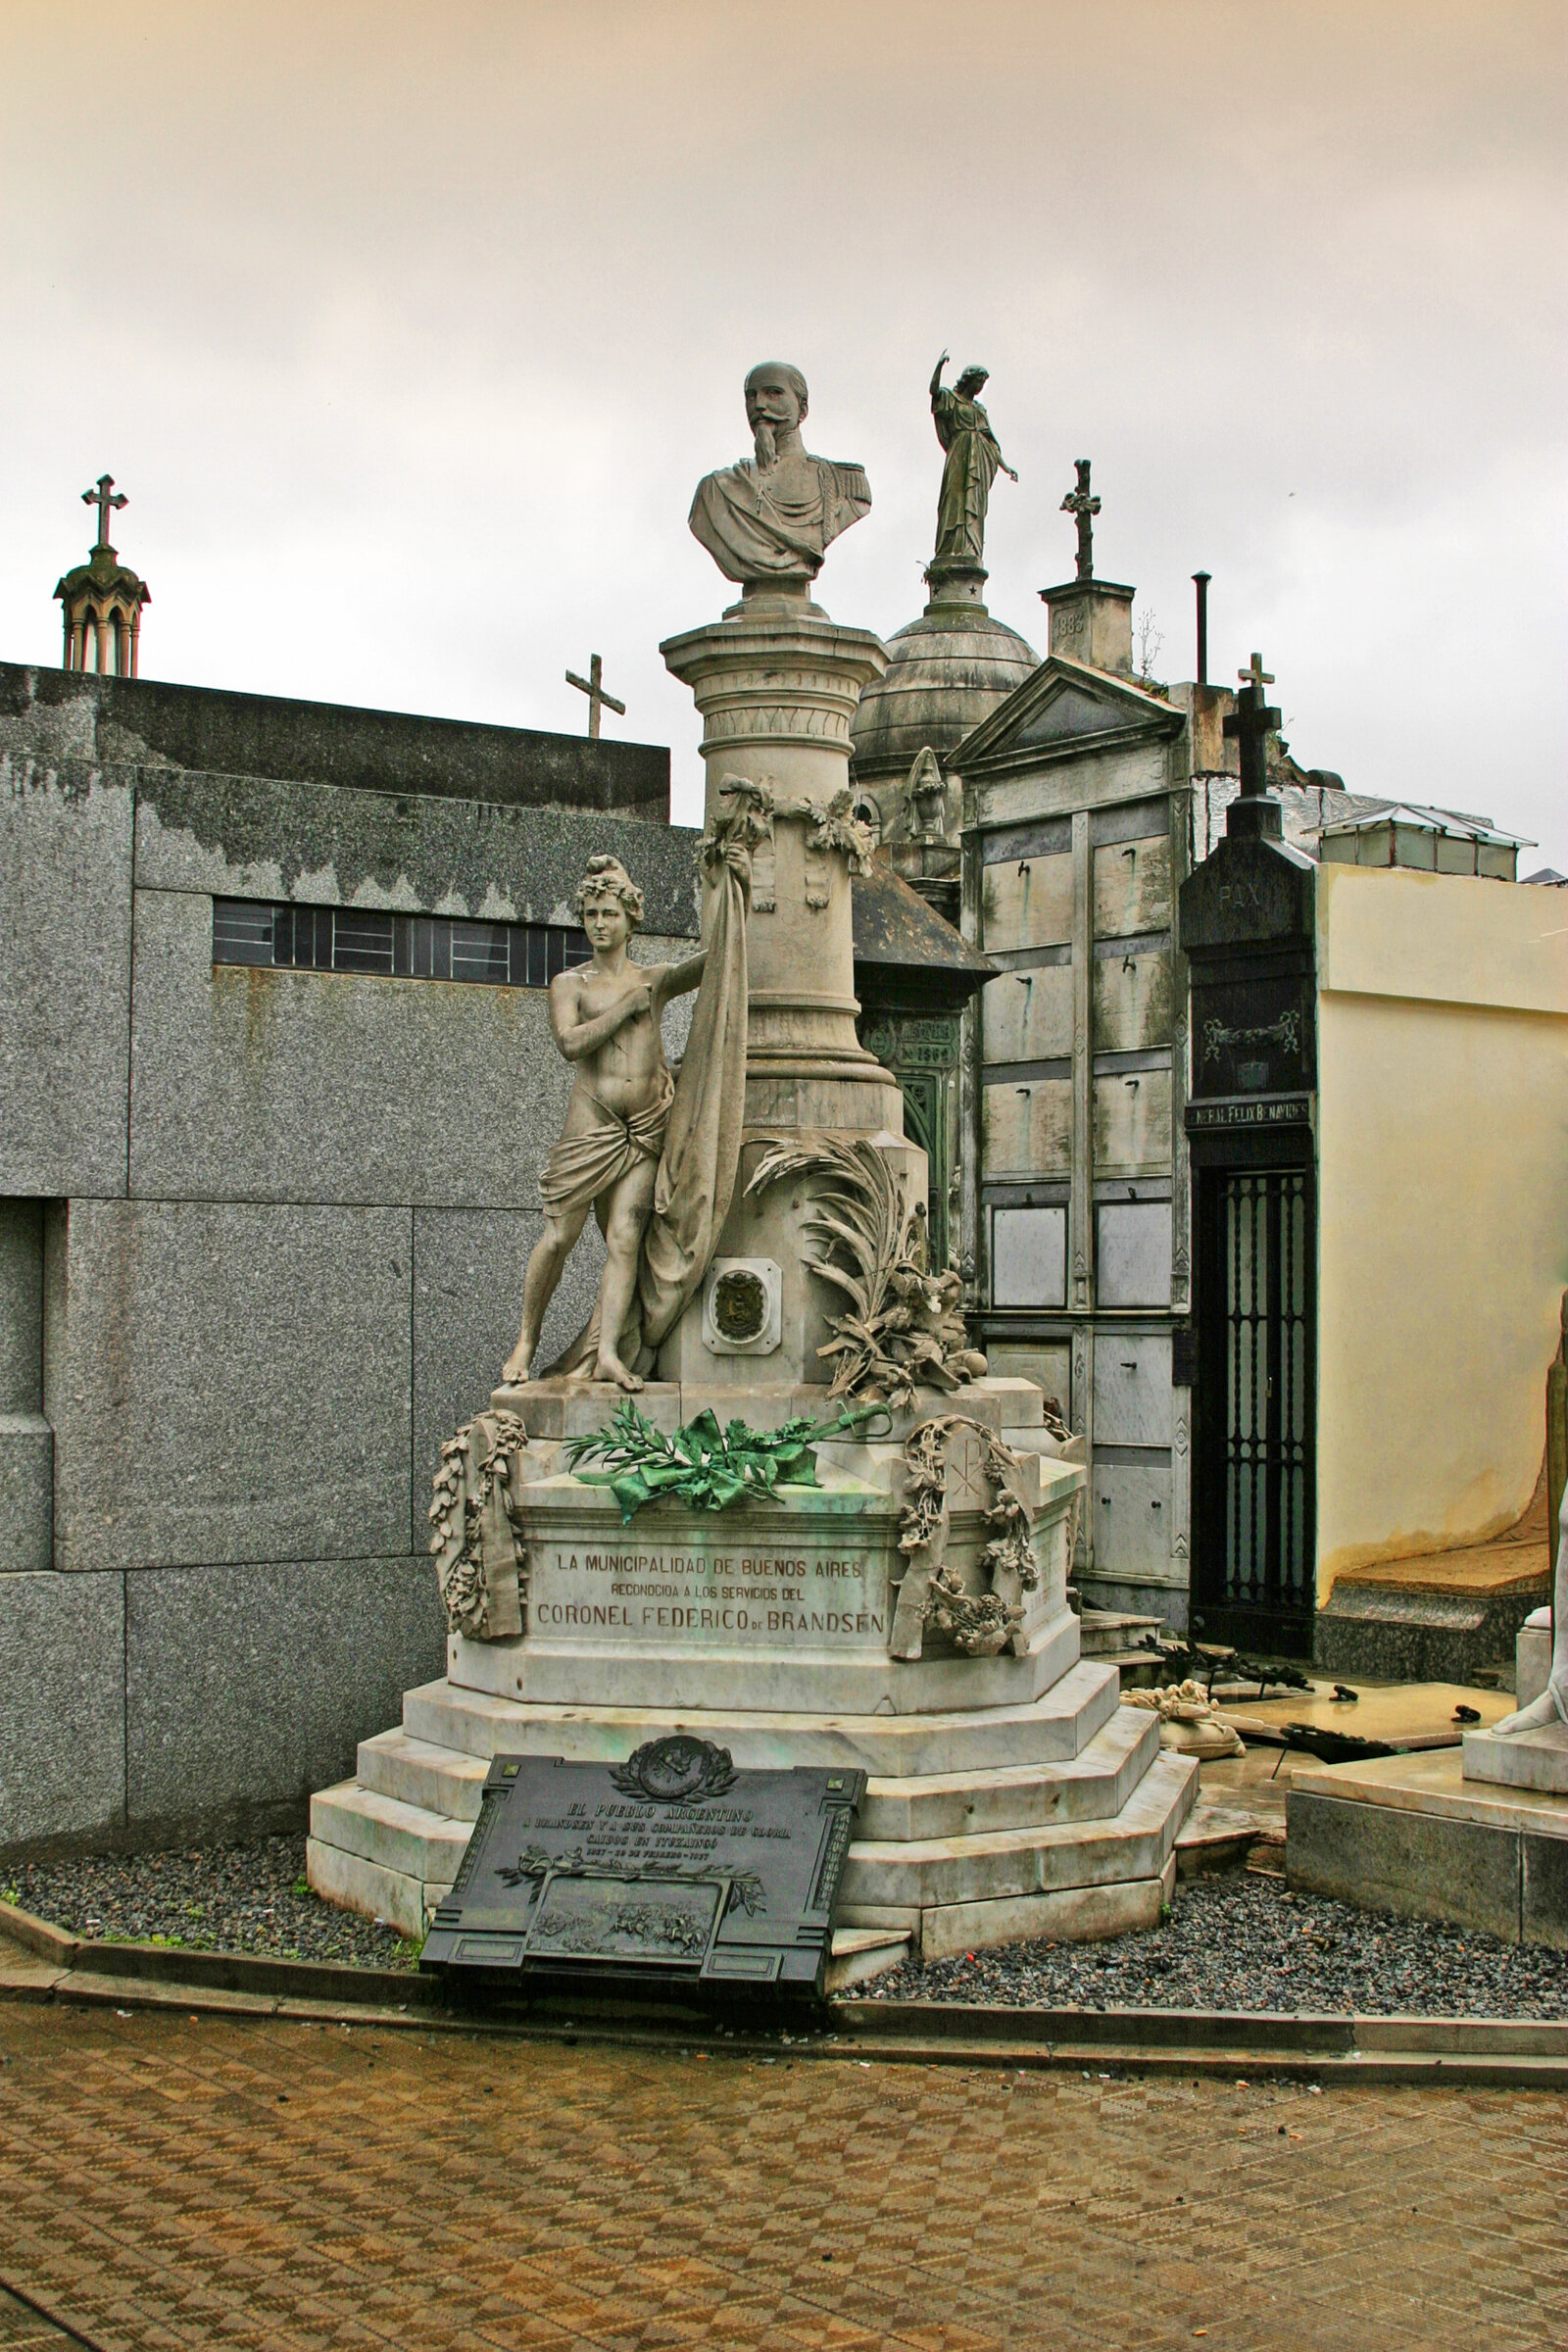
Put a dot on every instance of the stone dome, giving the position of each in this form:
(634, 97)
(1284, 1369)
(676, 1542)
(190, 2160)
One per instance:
(945, 673)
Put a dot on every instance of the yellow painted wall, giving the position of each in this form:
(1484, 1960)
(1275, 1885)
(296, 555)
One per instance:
(1442, 1250)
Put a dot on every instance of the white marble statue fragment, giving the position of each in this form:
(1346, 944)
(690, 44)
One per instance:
(767, 521)
(654, 1162)
(1551, 1707)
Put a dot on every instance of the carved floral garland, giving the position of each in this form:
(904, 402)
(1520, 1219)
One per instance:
(478, 1553)
(978, 1625)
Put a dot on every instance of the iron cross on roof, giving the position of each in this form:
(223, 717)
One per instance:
(593, 687)
(1250, 724)
(1080, 504)
(103, 498)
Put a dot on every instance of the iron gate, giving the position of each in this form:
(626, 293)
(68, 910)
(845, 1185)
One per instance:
(1253, 1489)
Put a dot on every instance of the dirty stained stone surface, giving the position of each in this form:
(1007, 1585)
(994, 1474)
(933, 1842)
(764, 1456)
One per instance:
(1243, 1941)
(227, 1898)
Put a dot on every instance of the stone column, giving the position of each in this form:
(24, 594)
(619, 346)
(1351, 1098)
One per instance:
(777, 683)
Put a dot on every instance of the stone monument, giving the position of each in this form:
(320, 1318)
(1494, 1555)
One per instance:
(818, 1535)
(1528, 1749)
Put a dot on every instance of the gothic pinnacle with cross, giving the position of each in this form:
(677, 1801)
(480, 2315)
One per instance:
(1085, 508)
(594, 688)
(1250, 724)
(103, 498)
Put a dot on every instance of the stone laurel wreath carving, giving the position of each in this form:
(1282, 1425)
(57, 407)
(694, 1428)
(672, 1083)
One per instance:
(903, 1330)
(701, 1464)
(978, 1625)
(478, 1555)
(680, 1770)
(1286, 1032)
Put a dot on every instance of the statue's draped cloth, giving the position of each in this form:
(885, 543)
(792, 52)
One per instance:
(973, 456)
(582, 1167)
(753, 534)
(698, 1153)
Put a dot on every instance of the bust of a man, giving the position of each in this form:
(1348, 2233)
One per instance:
(768, 520)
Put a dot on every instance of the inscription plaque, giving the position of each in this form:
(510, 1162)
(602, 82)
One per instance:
(674, 1867)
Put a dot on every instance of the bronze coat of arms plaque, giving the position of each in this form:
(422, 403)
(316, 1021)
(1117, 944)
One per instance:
(673, 1867)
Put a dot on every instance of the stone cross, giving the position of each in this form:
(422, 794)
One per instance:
(593, 687)
(1250, 724)
(103, 498)
(1079, 503)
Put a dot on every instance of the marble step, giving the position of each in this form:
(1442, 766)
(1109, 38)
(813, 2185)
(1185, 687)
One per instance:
(1054, 1727)
(887, 1876)
(1092, 1786)
(406, 1839)
(995, 1864)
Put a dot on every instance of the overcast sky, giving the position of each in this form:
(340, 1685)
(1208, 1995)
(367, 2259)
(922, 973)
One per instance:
(409, 331)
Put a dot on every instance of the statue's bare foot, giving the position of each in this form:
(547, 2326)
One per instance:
(1541, 1714)
(610, 1367)
(515, 1367)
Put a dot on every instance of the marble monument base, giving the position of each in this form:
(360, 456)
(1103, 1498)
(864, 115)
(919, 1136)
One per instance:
(1010, 1795)
(1422, 1836)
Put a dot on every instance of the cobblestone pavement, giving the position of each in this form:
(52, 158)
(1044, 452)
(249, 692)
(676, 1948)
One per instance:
(168, 2180)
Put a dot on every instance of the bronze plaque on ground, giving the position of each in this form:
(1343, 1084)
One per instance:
(674, 1867)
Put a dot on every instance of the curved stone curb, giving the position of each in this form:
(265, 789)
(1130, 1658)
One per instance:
(1523, 2053)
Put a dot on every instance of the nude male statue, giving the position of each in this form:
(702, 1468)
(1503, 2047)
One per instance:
(606, 1017)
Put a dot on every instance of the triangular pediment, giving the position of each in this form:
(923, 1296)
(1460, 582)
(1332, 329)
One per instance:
(1060, 705)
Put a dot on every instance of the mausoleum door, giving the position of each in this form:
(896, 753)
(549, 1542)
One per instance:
(1254, 1485)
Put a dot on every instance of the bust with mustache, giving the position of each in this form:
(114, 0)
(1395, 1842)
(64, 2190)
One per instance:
(768, 521)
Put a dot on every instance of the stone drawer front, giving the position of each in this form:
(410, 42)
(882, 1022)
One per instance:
(1132, 1123)
(1028, 1127)
(1133, 1395)
(1132, 1002)
(1027, 1015)
(1132, 888)
(1131, 1503)
(1027, 902)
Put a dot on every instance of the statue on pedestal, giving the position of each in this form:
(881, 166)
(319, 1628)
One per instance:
(1551, 1707)
(974, 455)
(769, 522)
(647, 1157)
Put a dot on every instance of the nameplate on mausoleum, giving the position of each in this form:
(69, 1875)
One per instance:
(672, 1868)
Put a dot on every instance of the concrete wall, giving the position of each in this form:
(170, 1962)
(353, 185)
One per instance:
(1443, 1205)
(262, 1240)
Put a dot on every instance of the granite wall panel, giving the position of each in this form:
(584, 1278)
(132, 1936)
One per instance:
(63, 1712)
(243, 837)
(467, 1305)
(65, 978)
(248, 1687)
(228, 1382)
(257, 1084)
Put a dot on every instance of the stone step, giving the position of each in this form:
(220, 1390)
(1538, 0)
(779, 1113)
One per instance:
(1092, 1786)
(1055, 1727)
(1107, 1634)
(392, 1897)
(1009, 1863)
(406, 1839)
(416, 1771)
(857, 1955)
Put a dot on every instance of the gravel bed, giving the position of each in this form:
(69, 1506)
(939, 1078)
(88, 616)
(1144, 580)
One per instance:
(225, 1898)
(1241, 1941)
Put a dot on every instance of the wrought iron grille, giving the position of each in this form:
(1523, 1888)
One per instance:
(1254, 1498)
(413, 947)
